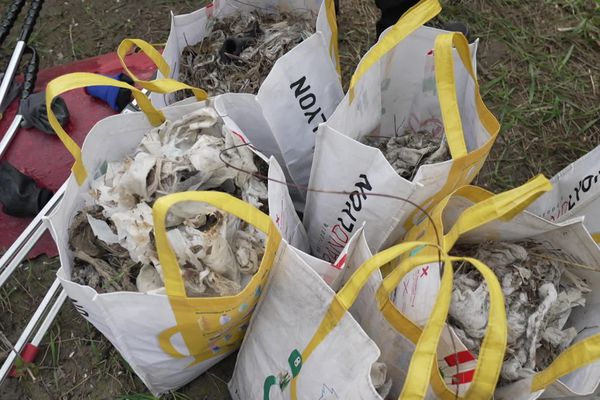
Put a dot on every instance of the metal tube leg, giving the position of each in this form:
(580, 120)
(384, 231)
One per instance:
(46, 301)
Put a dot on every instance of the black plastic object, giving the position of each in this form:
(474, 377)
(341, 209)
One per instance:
(457, 26)
(19, 194)
(116, 97)
(9, 18)
(391, 11)
(34, 112)
(32, 15)
(233, 46)
(33, 105)
(30, 73)
(13, 91)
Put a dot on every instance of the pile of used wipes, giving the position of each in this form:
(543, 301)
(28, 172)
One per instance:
(539, 292)
(408, 152)
(112, 236)
(241, 49)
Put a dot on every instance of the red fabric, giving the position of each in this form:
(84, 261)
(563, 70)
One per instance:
(43, 156)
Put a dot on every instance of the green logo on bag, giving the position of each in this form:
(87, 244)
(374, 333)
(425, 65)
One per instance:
(295, 361)
(283, 378)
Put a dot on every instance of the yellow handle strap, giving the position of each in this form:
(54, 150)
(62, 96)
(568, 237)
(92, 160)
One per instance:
(576, 356)
(164, 85)
(421, 368)
(344, 299)
(446, 87)
(489, 207)
(78, 80)
(414, 18)
(596, 237)
(172, 274)
(333, 46)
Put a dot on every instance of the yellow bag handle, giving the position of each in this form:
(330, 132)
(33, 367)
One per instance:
(348, 294)
(187, 320)
(446, 87)
(574, 357)
(423, 368)
(410, 21)
(163, 85)
(488, 207)
(333, 46)
(172, 274)
(78, 80)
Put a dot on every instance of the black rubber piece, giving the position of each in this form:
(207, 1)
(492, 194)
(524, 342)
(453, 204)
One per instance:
(391, 11)
(19, 194)
(35, 115)
(124, 96)
(9, 19)
(234, 46)
(457, 26)
(30, 19)
(30, 73)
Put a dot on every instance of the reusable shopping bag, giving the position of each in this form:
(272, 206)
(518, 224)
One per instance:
(301, 91)
(167, 339)
(389, 96)
(472, 215)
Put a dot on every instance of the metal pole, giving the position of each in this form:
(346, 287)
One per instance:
(49, 318)
(25, 242)
(10, 133)
(30, 19)
(6, 367)
(28, 87)
(13, 64)
(12, 259)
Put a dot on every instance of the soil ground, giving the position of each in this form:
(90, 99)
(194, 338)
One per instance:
(537, 65)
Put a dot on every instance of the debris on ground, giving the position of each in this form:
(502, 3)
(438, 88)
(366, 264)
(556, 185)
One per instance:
(408, 152)
(112, 236)
(241, 49)
(540, 291)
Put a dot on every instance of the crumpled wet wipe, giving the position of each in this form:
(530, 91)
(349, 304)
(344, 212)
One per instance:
(240, 50)
(540, 291)
(408, 152)
(112, 236)
(380, 380)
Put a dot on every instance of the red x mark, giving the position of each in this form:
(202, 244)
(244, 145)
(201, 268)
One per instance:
(424, 271)
(276, 218)
(240, 136)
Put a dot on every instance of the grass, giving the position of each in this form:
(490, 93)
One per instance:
(540, 78)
